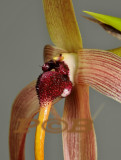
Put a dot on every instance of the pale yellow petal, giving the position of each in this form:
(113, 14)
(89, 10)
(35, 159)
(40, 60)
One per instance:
(62, 24)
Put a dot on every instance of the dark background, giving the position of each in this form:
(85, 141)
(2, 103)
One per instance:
(23, 34)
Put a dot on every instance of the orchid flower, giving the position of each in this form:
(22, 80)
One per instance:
(68, 72)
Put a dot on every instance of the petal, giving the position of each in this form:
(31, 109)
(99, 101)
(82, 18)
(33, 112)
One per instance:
(25, 106)
(111, 24)
(52, 51)
(109, 20)
(62, 24)
(79, 141)
(101, 70)
(116, 51)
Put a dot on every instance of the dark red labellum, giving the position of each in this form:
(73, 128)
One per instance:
(51, 84)
(49, 66)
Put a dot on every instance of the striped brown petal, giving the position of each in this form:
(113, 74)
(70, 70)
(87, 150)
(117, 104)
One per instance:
(79, 141)
(51, 51)
(101, 70)
(25, 106)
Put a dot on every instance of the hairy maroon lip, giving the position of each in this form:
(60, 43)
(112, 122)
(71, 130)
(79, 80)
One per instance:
(52, 84)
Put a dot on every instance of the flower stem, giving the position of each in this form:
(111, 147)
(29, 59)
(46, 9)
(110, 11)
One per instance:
(40, 132)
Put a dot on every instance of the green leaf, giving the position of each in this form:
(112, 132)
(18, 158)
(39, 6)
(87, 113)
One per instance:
(106, 19)
(110, 24)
